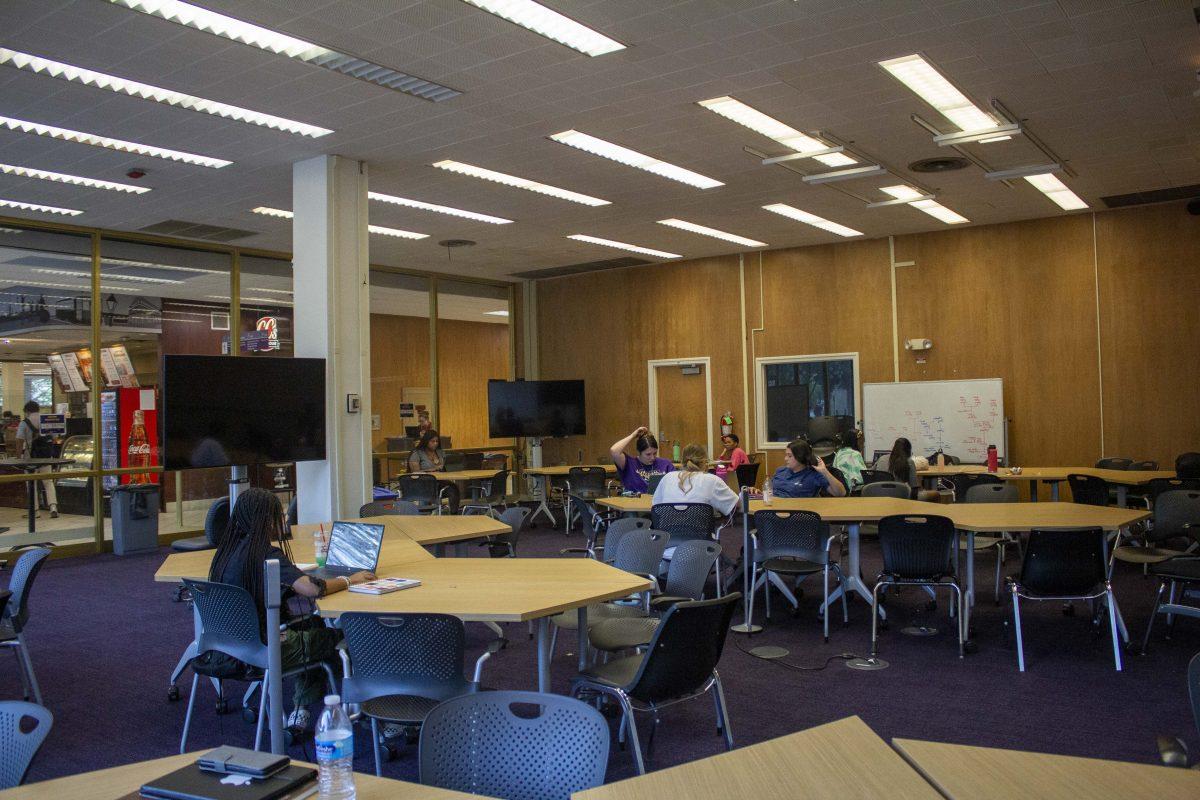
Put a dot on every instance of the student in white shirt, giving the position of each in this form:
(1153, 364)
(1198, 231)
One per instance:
(693, 483)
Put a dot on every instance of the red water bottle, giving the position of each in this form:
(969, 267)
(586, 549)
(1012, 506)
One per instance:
(993, 459)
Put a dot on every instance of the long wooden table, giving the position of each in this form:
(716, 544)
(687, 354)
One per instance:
(544, 475)
(1120, 478)
(963, 772)
(117, 782)
(843, 759)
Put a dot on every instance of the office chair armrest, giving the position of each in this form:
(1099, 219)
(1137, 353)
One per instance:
(1173, 751)
(494, 646)
(663, 602)
(566, 550)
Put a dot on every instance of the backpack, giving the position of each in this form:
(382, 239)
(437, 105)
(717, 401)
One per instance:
(41, 446)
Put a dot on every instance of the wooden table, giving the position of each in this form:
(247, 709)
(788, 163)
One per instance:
(110, 784)
(439, 530)
(1053, 476)
(963, 772)
(501, 590)
(840, 760)
(544, 476)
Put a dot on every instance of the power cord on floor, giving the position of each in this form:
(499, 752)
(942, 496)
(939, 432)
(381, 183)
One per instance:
(796, 667)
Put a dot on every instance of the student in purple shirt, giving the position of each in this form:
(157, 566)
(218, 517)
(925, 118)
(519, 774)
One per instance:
(636, 472)
(803, 474)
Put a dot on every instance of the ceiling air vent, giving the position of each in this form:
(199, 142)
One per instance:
(941, 164)
(195, 230)
(1152, 196)
(590, 266)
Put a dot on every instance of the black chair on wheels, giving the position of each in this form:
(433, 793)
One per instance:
(16, 616)
(794, 544)
(684, 521)
(888, 488)
(917, 551)
(1064, 565)
(1182, 571)
(1088, 489)
(504, 545)
(495, 496)
(422, 489)
(586, 482)
(1176, 513)
(747, 474)
(215, 523)
(870, 476)
(680, 663)
(1114, 463)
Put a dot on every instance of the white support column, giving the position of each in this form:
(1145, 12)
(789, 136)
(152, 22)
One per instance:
(330, 262)
(12, 383)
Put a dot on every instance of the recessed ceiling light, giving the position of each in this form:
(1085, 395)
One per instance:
(519, 183)
(551, 24)
(931, 86)
(713, 232)
(281, 44)
(62, 177)
(79, 287)
(633, 158)
(939, 211)
(112, 144)
(633, 248)
(146, 91)
(772, 128)
(379, 229)
(69, 212)
(107, 276)
(903, 192)
(1049, 185)
(502, 313)
(454, 212)
(811, 219)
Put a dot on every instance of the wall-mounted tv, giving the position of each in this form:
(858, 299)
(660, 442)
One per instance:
(535, 409)
(223, 411)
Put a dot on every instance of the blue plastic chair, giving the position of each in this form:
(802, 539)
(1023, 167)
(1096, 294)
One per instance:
(17, 747)
(479, 744)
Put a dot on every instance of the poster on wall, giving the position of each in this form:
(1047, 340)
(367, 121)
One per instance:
(74, 375)
(60, 372)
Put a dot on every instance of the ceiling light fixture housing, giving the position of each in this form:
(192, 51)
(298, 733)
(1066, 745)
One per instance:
(684, 225)
(146, 91)
(633, 248)
(454, 212)
(748, 117)
(921, 202)
(78, 180)
(1050, 185)
(473, 171)
(632, 158)
(915, 72)
(551, 24)
(25, 126)
(237, 30)
(282, 213)
(797, 214)
(66, 212)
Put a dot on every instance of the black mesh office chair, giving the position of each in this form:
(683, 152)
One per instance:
(1088, 489)
(1176, 512)
(998, 492)
(917, 551)
(16, 616)
(888, 488)
(215, 523)
(495, 496)
(422, 489)
(588, 483)
(400, 666)
(1064, 565)
(747, 474)
(1114, 463)
(684, 521)
(794, 544)
(1187, 466)
(680, 663)
(1143, 466)
(504, 545)
(870, 476)
(19, 742)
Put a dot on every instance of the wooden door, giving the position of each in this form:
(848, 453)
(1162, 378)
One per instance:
(682, 407)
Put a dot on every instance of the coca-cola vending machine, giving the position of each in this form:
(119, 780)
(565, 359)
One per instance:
(137, 434)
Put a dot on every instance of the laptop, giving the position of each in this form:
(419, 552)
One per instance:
(353, 547)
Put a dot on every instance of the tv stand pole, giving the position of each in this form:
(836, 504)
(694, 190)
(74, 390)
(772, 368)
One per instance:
(238, 482)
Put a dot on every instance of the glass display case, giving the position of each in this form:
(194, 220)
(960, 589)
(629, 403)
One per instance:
(75, 494)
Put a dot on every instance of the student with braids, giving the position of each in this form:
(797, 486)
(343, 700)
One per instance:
(695, 484)
(255, 526)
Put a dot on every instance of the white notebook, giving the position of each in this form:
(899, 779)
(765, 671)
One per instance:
(385, 585)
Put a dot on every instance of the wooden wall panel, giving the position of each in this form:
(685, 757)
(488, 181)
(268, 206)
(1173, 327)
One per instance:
(1017, 302)
(399, 358)
(469, 354)
(603, 327)
(1148, 261)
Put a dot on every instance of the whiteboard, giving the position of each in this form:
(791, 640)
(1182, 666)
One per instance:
(959, 417)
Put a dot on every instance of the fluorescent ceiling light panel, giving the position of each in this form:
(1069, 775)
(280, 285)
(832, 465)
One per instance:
(684, 225)
(633, 158)
(379, 229)
(551, 24)
(69, 212)
(811, 219)
(1049, 185)
(281, 44)
(931, 86)
(80, 287)
(902, 192)
(146, 91)
(519, 183)
(633, 248)
(109, 277)
(939, 211)
(62, 177)
(454, 212)
(772, 128)
(53, 132)
(495, 313)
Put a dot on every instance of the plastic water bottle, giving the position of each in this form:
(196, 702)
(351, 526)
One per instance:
(335, 752)
(768, 493)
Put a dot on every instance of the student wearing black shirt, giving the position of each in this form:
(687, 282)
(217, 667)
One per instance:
(256, 524)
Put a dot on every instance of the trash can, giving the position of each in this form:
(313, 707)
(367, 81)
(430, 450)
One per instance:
(135, 518)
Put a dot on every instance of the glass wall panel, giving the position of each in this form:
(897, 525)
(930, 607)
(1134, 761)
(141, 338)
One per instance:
(401, 382)
(45, 359)
(157, 301)
(473, 347)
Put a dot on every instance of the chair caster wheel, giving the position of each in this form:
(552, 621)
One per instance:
(173, 694)
(250, 714)
(222, 706)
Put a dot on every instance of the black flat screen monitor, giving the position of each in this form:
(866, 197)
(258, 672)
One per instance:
(222, 411)
(535, 408)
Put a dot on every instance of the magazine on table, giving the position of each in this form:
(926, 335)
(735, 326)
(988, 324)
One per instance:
(385, 585)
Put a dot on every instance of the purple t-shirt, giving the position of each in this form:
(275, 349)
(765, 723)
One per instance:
(635, 475)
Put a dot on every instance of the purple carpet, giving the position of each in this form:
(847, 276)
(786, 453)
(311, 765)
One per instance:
(104, 638)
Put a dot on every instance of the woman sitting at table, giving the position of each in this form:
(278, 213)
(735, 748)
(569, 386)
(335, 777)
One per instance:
(428, 456)
(848, 460)
(695, 484)
(635, 473)
(733, 452)
(900, 463)
(256, 524)
(804, 474)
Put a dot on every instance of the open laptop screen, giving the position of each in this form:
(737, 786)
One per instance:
(355, 545)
